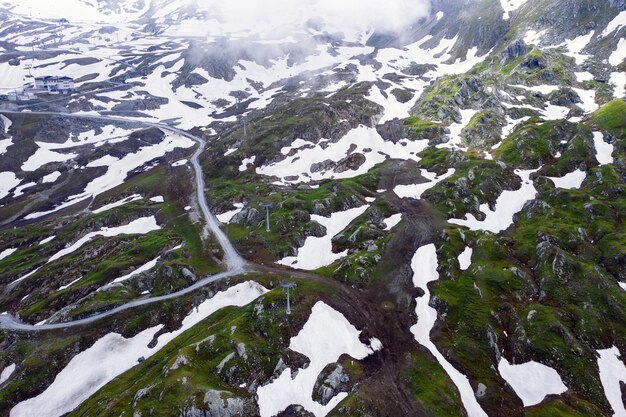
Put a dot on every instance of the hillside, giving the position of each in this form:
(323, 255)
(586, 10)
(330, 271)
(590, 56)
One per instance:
(313, 209)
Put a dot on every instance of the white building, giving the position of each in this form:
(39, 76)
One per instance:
(22, 95)
(54, 84)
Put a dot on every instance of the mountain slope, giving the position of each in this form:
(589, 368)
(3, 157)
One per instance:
(445, 184)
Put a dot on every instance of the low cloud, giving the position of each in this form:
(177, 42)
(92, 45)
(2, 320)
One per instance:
(273, 18)
(256, 18)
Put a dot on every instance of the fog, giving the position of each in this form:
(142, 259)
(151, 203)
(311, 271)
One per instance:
(255, 18)
(272, 18)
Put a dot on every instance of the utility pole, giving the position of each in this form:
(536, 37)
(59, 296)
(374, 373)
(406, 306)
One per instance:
(267, 208)
(287, 286)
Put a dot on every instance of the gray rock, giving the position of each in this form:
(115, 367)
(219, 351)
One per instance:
(515, 50)
(223, 407)
(218, 404)
(180, 360)
(241, 351)
(350, 163)
(248, 216)
(224, 361)
(323, 166)
(188, 274)
(332, 381)
(481, 390)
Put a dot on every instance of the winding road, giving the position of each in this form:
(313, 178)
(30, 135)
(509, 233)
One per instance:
(235, 264)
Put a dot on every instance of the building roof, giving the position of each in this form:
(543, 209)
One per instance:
(54, 77)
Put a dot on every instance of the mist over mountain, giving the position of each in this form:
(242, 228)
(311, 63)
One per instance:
(312, 208)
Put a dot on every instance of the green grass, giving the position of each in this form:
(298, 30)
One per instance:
(420, 126)
(432, 388)
(611, 117)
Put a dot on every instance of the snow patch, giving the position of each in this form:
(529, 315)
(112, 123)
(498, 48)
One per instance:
(6, 373)
(392, 108)
(612, 371)
(456, 128)
(392, 221)
(510, 127)
(118, 170)
(50, 178)
(318, 251)
(145, 267)
(46, 240)
(583, 76)
(465, 258)
(616, 24)
(7, 252)
(5, 143)
(8, 181)
(604, 150)
(576, 45)
(588, 100)
(416, 190)
(44, 156)
(69, 285)
(570, 181)
(618, 79)
(618, 56)
(20, 189)
(228, 216)
(118, 203)
(531, 381)
(532, 37)
(363, 138)
(543, 89)
(554, 112)
(245, 162)
(507, 205)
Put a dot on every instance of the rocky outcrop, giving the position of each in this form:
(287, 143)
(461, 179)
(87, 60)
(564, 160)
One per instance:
(331, 381)
(151, 135)
(295, 411)
(218, 404)
(147, 103)
(515, 50)
(351, 162)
